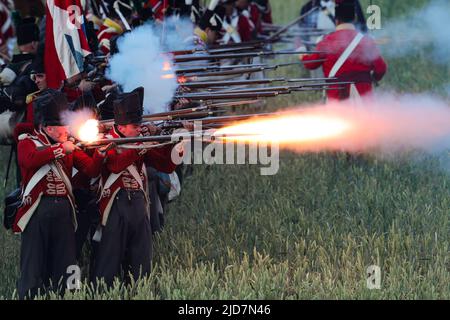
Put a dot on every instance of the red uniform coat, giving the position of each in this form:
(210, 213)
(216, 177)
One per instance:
(31, 158)
(249, 23)
(117, 163)
(364, 61)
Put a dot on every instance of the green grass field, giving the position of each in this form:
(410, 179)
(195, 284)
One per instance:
(308, 232)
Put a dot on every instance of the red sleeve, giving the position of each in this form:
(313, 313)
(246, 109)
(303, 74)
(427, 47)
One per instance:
(161, 159)
(117, 162)
(267, 17)
(314, 56)
(90, 166)
(379, 67)
(244, 29)
(256, 17)
(29, 157)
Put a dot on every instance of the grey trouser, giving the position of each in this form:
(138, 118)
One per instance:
(126, 243)
(47, 248)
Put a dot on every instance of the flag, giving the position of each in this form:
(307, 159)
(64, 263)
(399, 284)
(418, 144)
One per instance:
(66, 44)
(6, 28)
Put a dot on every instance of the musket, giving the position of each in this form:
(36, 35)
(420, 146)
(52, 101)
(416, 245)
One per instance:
(160, 139)
(121, 141)
(95, 59)
(198, 113)
(252, 43)
(202, 108)
(279, 89)
(242, 70)
(213, 67)
(288, 87)
(220, 120)
(274, 36)
(211, 51)
(225, 96)
(311, 79)
(232, 103)
(207, 84)
(186, 58)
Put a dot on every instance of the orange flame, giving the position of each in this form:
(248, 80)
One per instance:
(304, 131)
(168, 76)
(88, 132)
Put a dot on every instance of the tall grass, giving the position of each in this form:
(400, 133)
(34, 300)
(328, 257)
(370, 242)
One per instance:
(308, 232)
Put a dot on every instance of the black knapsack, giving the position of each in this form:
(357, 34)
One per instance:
(12, 204)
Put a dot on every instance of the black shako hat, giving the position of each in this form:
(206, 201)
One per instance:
(345, 10)
(27, 31)
(48, 108)
(37, 66)
(213, 19)
(129, 107)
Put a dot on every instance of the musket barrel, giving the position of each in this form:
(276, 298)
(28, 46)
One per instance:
(230, 83)
(224, 96)
(311, 79)
(225, 72)
(186, 58)
(235, 118)
(212, 67)
(291, 24)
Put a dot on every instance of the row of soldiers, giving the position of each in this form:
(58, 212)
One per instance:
(222, 20)
(54, 174)
(112, 184)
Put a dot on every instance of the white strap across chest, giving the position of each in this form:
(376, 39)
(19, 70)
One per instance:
(42, 172)
(132, 170)
(346, 54)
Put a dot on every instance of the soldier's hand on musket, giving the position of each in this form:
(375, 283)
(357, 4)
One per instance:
(104, 149)
(151, 129)
(69, 147)
(86, 85)
(102, 128)
(109, 88)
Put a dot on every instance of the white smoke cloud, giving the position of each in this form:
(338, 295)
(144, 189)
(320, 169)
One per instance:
(177, 34)
(426, 28)
(140, 62)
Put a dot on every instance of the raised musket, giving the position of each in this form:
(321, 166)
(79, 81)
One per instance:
(277, 34)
